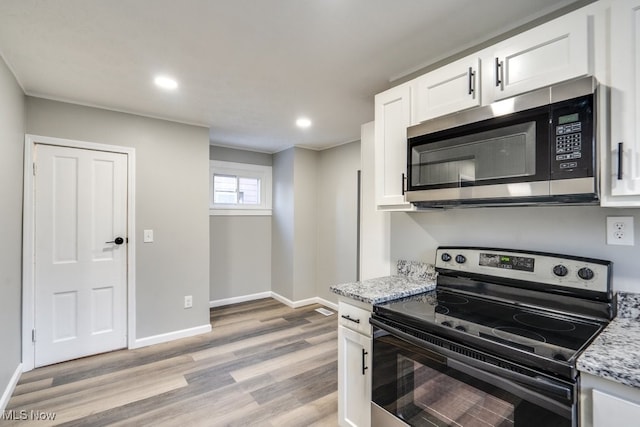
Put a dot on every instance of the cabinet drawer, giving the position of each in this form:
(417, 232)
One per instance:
(354, 318)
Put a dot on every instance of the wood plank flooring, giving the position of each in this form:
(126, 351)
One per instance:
(263, 364)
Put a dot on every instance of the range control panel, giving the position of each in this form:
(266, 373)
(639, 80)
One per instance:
(552, 269)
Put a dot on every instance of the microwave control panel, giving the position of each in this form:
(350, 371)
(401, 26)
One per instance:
(572, 131)
(569, 141)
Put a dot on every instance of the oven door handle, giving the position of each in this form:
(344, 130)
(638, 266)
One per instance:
(481, 369)
(539, 382)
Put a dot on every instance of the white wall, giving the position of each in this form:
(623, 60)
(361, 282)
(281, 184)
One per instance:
(305, 179)
(12, 126)
(240, 246)
(337, 213)
(282, 224)
(570, 230)
(172, 170)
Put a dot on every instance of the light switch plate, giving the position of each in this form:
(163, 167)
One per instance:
(148, 236)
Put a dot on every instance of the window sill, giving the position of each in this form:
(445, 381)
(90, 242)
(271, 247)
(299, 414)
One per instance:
(239, 212)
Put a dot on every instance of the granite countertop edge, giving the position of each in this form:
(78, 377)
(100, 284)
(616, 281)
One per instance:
(615, 353)
(384, 289)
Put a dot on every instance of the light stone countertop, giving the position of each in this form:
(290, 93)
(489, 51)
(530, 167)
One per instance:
(413, 278)
(615, 353)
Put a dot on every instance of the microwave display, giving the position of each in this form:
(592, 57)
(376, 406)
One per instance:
(568, 118)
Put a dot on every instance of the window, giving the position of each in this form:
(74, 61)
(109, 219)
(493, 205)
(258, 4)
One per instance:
(239, 189)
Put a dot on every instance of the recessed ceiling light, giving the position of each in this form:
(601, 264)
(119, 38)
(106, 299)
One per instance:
(303, 122)
(165, 82)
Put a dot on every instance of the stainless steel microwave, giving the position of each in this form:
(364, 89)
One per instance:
(535, 148)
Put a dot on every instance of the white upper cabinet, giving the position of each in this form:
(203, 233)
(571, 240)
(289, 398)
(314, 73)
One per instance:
(392, 117)
(625, 101)
(553, 52)
(448, 89)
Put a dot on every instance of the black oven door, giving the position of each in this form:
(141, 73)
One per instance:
(424, 384)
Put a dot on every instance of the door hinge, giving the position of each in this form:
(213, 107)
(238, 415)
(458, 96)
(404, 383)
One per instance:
(33, 335)
(34, 169)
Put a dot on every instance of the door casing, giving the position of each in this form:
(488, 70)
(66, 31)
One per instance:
(28, 239)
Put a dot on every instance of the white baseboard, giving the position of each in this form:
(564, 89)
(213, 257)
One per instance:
(13, 382)
(278, 297)
(328, 304)
(293, 304)
(170, 336)
(236, 300)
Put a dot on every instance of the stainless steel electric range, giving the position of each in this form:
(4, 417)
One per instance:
(494, 345)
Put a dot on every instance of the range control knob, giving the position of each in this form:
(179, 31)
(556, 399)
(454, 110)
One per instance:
(560, 357)
(445, 257)
(461, 259)
(461, 328)
(447, 324)
(560, 270)
(585, 273)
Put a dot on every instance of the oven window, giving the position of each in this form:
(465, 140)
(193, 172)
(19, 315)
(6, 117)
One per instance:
(423, 389)
(440, 399)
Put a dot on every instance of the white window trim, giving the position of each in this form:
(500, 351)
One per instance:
(245, 170)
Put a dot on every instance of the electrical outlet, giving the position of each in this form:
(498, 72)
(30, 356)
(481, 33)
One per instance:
(188, 301)
(620, 230)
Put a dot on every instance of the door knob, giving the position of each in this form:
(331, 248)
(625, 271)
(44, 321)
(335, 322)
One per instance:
(117, 241)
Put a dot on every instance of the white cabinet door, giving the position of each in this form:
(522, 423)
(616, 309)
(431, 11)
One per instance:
(612, 411)
(354, 378)
(547, 54)
(448, 89)
(625, 98)
(392, 117)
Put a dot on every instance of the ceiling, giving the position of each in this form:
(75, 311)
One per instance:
(246, 69)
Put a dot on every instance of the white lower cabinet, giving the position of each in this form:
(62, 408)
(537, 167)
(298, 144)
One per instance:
(354, 369)
(606, 403)
(610, 411)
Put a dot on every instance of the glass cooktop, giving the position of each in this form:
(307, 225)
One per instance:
(530, 330)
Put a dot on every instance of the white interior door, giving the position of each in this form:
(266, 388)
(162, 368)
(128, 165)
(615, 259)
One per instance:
(80, 269)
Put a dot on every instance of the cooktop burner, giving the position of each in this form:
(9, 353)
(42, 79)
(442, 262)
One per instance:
(508, 332)
(544, 323)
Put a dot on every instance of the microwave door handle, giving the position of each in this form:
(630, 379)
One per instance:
(404, 178)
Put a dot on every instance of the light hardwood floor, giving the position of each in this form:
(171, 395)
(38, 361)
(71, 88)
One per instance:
(264, 364)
